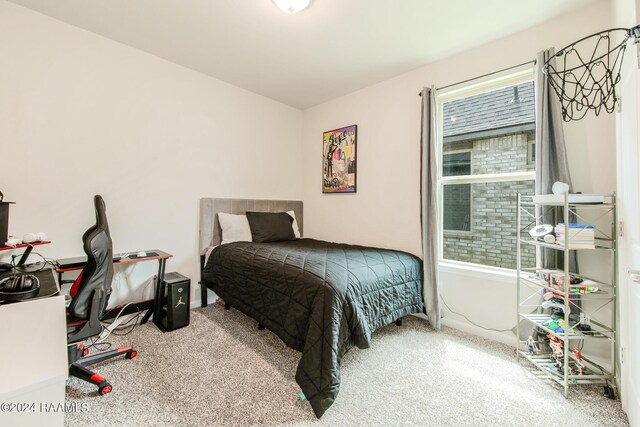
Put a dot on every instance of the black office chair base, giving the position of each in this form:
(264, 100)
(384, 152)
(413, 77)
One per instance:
(80, 359)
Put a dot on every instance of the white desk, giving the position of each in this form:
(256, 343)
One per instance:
(33, 360)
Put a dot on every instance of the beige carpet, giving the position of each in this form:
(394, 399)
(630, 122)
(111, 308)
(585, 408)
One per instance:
(221, 370)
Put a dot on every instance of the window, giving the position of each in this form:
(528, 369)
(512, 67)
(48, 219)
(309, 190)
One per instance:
(486, 139)
(457, 212)
(456, 163)
(531, 156)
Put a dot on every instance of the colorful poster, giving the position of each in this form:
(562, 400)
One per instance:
(339, 160)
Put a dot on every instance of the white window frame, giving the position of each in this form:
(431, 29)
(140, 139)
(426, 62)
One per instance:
(460, 233)
(452, 95)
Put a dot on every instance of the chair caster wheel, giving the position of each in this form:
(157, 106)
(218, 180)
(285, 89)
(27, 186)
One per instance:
(105, 389)
(131, 354)
(261, 326)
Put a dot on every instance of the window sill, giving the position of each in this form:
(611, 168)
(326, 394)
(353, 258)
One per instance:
(477, 271)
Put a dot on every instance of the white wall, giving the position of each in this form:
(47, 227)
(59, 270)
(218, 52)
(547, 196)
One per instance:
(83, 115)
(386, 211)
(626, 13)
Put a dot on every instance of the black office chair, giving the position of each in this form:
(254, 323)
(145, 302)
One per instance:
(90, 295)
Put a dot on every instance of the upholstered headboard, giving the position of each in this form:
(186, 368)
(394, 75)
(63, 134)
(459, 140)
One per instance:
(210, 232)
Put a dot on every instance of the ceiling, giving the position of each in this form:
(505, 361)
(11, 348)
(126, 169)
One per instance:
(332, 48)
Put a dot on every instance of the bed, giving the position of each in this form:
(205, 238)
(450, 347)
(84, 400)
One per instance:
(320, 298)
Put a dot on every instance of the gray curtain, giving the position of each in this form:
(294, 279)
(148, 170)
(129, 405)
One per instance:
(551, 154)
(551, 164)
(429, 208)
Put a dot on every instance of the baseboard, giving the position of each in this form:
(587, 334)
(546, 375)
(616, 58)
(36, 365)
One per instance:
(211, 298)
(508, 339)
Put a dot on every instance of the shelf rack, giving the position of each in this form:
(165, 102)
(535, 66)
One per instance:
(529, 214)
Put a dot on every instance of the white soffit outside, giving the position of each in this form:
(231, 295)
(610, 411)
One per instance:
(330, 49)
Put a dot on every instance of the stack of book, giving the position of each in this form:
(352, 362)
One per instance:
(580, 236)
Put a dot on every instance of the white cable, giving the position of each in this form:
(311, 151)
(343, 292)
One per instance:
(473, 323)
(113, 325)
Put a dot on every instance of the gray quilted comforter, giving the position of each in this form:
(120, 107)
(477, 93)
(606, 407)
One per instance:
(320, 298)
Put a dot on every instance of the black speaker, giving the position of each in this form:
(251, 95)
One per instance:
(176, 291)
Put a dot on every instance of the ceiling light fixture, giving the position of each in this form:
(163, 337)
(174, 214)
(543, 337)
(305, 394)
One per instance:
(292, 6)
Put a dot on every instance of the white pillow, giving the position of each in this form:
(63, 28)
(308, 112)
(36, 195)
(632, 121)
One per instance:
(296, 230)
(235, 228)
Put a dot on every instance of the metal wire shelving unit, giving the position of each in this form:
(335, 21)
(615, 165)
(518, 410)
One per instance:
(588, 306)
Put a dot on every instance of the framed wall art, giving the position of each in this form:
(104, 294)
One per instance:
(339, 160)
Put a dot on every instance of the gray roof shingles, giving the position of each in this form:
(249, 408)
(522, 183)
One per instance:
(491, 110)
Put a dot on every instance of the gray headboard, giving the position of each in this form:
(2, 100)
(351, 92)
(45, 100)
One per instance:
(210, 232)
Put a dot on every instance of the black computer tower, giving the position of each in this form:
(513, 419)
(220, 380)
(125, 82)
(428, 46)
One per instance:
(4, 222)
(174, 312)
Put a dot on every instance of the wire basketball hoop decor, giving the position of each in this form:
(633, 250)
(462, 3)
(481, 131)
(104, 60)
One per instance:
(589, 83)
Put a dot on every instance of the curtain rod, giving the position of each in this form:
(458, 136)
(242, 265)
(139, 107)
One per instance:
(484, 75)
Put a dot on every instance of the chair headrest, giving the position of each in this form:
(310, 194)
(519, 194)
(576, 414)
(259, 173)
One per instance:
(101, 213)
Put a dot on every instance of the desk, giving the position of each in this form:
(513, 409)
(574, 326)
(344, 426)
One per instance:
(33, 360)
(48, 285)
(73, 264)
(27, 246)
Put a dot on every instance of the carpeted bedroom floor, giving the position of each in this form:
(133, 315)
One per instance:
(221, 370)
